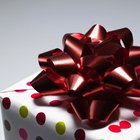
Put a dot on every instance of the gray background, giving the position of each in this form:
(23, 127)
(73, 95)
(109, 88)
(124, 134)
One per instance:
(29, 27)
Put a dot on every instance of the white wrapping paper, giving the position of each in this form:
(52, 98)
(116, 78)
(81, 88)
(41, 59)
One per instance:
(49, 118)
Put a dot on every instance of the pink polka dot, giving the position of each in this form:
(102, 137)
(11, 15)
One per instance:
(124, 124)
(23, 134)
(20, 90)
(136, 113)
(79, 134)
(114, 128)
(28, 84)
(70, 110)
(40, 118)
(55, 103)
(6, 103)
(36, 95)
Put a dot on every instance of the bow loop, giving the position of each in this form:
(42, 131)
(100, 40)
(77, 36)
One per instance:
(97, 33)
(76, 48)
(124, 35)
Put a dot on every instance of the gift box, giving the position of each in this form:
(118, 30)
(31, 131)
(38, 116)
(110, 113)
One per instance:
(30, 114)
(50, 118)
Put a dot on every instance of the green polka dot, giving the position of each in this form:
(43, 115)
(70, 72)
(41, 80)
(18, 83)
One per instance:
(23, 111)
(60, 128)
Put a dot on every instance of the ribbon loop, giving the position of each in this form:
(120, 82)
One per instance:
(134, 56)
(121, 78)
(45, 86)
(42, 58)
(96, 33)
(124, 35)
(62, 64)
(101, 110)
(75, 48)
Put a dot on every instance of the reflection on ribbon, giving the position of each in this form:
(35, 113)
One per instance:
(97, 69)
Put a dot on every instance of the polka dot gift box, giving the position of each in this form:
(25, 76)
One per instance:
(51, 118)
(31, 111)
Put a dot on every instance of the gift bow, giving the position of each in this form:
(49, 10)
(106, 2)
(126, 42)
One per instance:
(97, 69)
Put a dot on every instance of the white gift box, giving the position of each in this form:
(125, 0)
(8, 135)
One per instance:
(51, 118)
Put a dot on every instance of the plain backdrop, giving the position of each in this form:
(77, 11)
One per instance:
(30, 27)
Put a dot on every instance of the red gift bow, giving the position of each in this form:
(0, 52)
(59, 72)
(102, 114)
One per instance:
(97, 69)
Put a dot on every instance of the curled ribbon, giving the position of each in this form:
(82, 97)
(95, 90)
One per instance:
(97, 69)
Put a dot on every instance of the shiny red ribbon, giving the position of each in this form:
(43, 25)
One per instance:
(98, 69)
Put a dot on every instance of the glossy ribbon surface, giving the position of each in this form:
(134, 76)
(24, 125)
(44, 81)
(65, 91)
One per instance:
(97, 69)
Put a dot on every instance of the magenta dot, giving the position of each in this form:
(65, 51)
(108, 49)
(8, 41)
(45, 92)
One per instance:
(124, 124)
(28, 84)
(79, 134)
(36, 95)
(20, 90)
(6, 103)
(114, 128)
(70, 110)
(136, 113)
(40, 118)
(55, 103)
(23, 134)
